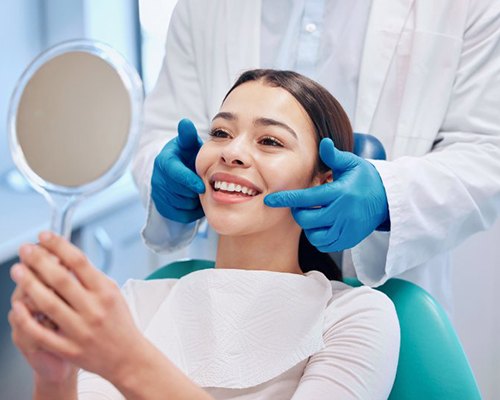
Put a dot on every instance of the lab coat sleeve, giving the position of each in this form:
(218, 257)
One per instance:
(438, 200)
(176, 95)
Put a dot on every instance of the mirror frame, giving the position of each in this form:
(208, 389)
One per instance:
(133, 86)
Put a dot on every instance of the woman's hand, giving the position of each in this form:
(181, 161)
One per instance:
(48, 367)
(95, 330)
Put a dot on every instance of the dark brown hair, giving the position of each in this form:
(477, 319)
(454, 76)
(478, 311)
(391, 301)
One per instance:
(329, 120)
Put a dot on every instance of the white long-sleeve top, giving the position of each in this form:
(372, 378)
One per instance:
(428, 88)
(266, 335)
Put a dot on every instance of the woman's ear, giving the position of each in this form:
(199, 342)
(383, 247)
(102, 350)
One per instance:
(322, 178)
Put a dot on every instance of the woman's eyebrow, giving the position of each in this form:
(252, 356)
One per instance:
(225, 115)
(273, 122)
(258, 122)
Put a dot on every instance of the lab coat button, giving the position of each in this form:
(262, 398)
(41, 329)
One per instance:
(311, 28)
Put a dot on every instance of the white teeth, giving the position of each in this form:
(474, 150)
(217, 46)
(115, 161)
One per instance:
(232, 187)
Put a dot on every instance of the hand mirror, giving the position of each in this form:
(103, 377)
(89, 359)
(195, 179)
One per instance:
(73, 123)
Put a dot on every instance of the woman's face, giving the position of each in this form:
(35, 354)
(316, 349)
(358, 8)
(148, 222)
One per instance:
(262, 141)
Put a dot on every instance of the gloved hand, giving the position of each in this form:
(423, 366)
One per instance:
(344, 211)
(175, 185)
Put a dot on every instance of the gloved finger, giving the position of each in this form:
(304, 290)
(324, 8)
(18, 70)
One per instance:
(310, 197)
(177, 172)
(331, 248)
(337, 160)
(162, 186)
(177, 210)
(323, 236)
(164, 198)
(183, 202)
(313, 218)
(186, 217)
(188, 139)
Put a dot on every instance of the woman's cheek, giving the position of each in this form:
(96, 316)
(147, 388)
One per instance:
(200, 164)
(288, 175)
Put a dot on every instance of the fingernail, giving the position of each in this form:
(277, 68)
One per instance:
(45, 236)
(16, 272)
(26, 250)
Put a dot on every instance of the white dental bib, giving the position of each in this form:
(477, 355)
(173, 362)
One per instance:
(238, 328)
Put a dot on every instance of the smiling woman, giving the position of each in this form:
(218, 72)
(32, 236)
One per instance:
(265, 139)
(262, 324)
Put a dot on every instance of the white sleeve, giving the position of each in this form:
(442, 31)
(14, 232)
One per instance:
(360, 358)
(177, 94)
(440, 199)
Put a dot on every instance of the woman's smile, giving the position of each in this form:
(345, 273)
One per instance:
(230, 189)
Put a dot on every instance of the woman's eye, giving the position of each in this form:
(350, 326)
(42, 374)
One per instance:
(270, 141)
(219, 133)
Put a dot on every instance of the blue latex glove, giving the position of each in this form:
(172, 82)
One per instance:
(344, 211)
(174, 184)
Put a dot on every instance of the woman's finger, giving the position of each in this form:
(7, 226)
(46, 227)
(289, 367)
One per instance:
(49, 270)
(18, 293)
(72, 258)
(47, 302)
(19, 337)
(29, 335)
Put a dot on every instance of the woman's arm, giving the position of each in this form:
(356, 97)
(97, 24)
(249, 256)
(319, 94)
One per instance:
(95, 330)
(361, 350)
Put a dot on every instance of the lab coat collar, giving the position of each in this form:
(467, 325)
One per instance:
(385, 24)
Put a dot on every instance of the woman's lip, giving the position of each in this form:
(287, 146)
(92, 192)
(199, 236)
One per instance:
(230, 198)
(238, 180)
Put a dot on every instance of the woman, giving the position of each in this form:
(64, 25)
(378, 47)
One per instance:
(256, 326)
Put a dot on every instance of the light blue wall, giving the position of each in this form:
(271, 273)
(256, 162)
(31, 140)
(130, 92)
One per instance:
(22, 38)
(28, 27)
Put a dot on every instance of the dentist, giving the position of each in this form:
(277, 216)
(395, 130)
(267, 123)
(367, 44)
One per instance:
(424, 80)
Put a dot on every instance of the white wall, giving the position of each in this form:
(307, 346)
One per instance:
(476, 282)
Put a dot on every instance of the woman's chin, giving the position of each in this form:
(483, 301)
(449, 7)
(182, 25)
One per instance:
(228, 227)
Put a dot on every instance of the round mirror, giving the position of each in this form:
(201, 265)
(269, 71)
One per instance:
(74, 121)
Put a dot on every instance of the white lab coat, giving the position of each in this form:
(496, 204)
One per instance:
(429, 89)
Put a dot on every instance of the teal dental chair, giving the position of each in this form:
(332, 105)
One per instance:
(432, 364)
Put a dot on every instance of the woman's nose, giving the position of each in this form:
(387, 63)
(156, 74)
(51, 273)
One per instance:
(235, 153)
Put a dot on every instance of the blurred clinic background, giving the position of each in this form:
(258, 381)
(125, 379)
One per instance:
(107, 226)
